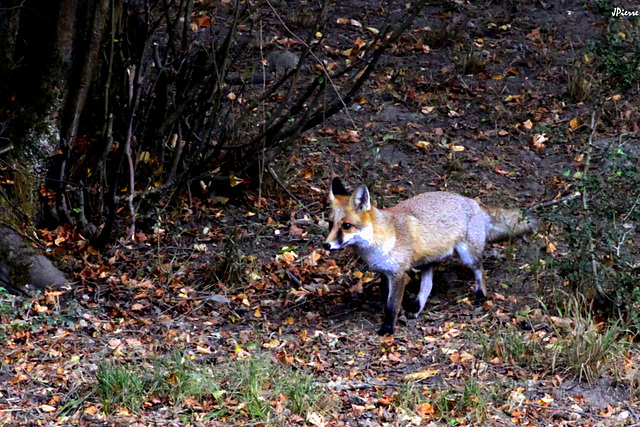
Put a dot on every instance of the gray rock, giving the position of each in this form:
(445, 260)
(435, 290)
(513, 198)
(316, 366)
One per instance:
(23, 268)
(282, 61)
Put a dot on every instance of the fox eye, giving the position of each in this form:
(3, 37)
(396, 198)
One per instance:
(346, 226)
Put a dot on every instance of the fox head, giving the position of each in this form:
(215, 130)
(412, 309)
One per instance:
(350, 222)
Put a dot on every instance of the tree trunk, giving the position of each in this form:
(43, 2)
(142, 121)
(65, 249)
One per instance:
(48, 55)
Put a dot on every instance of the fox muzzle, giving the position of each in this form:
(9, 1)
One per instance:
(334, 243)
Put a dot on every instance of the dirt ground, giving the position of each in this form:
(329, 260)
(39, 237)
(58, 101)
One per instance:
(479, 103)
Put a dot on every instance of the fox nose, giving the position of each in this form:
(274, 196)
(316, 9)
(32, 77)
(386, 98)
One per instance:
(326, 245)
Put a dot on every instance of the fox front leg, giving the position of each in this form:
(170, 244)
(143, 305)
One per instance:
(394, 302)
(426, 284)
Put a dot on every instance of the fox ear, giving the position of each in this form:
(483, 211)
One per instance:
(337, 189)
(361, 200)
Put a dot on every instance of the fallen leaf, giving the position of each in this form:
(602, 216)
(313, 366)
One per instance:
(384, 401)
(18, 378)
(204, 21)
(271, 344)
(426, 409)
(203, 350)
(368, 277)
(287, 257)
(561, 321)
(539, 140)
(40, 308)
(295, 231)
(234, 180)
(423, 144)
(133, 342)
(316, 419)
(551, 248)
(423, 374)
(545, 400)
(576, 122)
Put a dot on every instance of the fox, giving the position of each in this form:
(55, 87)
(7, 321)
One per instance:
(416, 234)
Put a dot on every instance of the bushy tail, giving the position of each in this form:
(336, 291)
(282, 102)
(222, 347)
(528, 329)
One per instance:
(508, 223)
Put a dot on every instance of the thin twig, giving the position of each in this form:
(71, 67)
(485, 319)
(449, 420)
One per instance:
(177, 154)
(277, 180)
(563, 409)
(127, 148)
(587, 163)
(293, 278)
(8, 9)
(632, 209)
(264, 123)
(555, 201)
(318, 61)
(132, 191)
(15, 207)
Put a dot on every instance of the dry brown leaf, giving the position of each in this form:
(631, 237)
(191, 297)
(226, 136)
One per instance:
(423, 374)
(576, 122)
(551, 248)
(316, 419)
(271, 344)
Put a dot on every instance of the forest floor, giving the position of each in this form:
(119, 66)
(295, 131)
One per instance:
(226, 313)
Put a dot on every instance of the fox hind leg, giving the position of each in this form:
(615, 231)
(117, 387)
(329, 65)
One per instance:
(481, 287)
(472, 257)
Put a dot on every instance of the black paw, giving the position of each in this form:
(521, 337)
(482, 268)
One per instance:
(413, 306)
(385, 330)
(480, 298)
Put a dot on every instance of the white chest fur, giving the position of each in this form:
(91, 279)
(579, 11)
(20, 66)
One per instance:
(379, 257)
